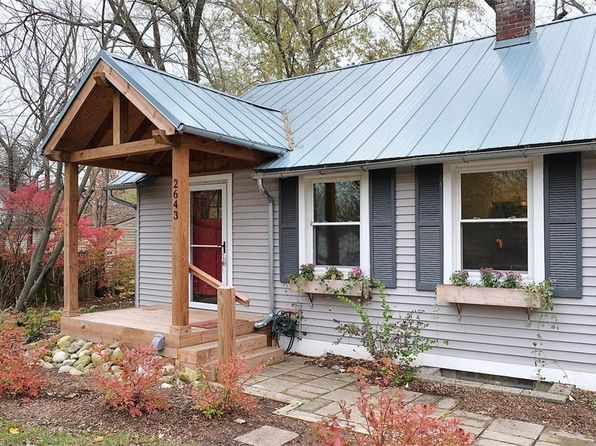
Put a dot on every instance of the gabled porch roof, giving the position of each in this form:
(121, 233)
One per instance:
(177, 105)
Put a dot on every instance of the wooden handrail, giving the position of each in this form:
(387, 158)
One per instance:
(210, 280)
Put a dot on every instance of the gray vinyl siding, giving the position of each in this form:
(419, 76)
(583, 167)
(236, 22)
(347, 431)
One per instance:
(249, 242)
(484, 333)
(155, 243)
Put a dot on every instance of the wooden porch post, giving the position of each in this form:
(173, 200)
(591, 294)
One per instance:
(71, 240)
(226, 320)
(180, 244)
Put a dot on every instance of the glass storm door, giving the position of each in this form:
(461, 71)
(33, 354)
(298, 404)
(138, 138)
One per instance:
(207, 240)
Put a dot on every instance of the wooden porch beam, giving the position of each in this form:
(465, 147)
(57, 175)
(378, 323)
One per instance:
(133, 148)
(71, 240)
(130, 166)
(222, 149)
(136, 98)
(119, 118)
(180, 239)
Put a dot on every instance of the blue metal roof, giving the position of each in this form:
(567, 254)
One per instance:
(126, 180)
(465, 97)
(198, 110)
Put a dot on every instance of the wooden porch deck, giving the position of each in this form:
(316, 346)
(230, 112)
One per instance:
(137, 327)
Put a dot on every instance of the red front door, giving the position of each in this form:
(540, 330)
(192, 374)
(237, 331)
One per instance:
(207, 241)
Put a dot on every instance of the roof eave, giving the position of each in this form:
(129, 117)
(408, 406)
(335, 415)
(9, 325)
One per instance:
(232, 140)
(464, 156)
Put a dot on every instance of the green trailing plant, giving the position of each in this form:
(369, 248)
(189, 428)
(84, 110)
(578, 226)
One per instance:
(306, 272)
(398, 338)
(460, 278)
(543, 292)
(332, 273)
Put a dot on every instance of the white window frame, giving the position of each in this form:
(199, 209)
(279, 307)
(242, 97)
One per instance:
(452, 252)
(306, 219)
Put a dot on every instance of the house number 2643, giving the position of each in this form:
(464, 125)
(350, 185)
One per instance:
(175, 199)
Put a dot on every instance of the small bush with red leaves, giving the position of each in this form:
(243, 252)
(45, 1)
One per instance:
(226, 395)
(389, 422)
(19, 373)
(135, 386)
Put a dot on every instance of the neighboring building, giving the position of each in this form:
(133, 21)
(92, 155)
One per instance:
(476, 154)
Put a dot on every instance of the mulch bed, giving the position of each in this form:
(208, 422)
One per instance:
(67, 404)
(578, 415)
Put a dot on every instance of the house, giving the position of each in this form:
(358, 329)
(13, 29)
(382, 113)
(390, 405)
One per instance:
(476, 154)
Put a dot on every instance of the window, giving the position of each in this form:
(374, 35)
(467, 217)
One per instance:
(494, 217)
(336, 223)
(334, 226)
(494, 220)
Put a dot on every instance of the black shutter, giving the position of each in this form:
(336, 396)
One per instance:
(382, 226)
(562, 221)
(288, 227)
(429, 226)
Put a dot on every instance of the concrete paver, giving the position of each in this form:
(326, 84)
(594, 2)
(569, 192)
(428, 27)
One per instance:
(267, 436)
(314, 392)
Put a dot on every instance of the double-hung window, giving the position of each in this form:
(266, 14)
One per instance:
(494, 217)
(336, 223)
(494, 220)
(335, 226)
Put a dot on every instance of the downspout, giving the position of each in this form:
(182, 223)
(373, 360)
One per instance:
(269, 198)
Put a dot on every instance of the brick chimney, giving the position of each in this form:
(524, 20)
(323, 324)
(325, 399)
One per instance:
(515, 18)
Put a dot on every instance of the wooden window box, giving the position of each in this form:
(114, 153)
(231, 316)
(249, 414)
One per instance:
(327, 287)
(475, 295)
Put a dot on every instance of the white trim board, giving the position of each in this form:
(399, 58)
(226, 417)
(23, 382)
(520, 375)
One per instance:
(452, 208)
(305, 217)
(583, 380)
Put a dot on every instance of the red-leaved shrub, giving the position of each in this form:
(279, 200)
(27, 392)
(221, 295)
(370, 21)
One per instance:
(389, 422)
(214, 399)
(135, 385)
(19, 373)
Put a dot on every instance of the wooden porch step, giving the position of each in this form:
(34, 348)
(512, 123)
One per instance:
(263, 356)
(207, 352)
(198, 337)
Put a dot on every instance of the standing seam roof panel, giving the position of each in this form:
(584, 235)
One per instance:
(510, 97)
(362, 92)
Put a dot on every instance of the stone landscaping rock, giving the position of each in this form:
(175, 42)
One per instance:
(83, 361)
(166, 386)
(96, 358)
(75, 372)
(117, 354)
(69, 362)
(167, 379)
(76, 346)
(187, 375)
(64, 342)
(84, 352)
(168, 369)
(47, 365)
(59, 356)
(65, 369)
